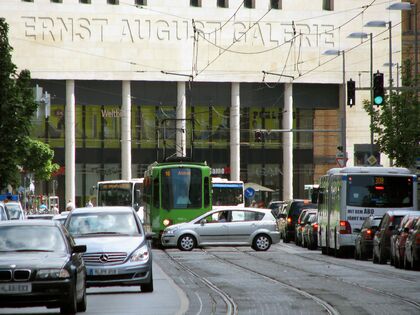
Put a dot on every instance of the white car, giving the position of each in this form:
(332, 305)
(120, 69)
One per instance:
(234, 226)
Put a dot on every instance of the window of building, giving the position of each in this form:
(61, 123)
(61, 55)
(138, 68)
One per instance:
(223, 3)
(276, 4)
(195, 3)
(113, 1)
(57, 1)
(250, 4)
(28, 0)
(328, 5)
(85, 1)
(141, 2)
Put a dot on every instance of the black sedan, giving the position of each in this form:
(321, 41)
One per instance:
(40, 265)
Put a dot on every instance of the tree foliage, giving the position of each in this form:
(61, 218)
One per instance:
(17, 107)
(396, 123)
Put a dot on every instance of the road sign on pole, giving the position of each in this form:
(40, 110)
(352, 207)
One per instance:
(341, 161)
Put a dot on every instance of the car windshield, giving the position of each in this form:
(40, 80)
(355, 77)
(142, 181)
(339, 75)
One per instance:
(31, 238)
(15, 212)
(103, 223)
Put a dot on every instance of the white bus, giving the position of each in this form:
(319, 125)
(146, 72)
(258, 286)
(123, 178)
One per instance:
(227, 192)
(121, 193)
(348, 195)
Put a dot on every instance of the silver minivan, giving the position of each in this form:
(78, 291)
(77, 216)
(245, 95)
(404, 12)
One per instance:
(234, 226)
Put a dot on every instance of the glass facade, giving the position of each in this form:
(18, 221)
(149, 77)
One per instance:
(98, 132)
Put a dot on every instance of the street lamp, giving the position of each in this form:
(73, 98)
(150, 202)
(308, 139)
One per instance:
(336, 52)
(406, 6)
(366, 35)
(383, 24)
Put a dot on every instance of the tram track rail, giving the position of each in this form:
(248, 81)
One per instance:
(367, 288)
(323, 303)
(231, 306)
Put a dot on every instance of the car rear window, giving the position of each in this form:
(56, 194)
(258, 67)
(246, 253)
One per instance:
(297, 207)
(397, 220)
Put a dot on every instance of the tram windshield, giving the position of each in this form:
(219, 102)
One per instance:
(379, 191)
(181, 188)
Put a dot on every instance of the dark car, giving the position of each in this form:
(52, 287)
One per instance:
(310, 233)
(412, 248)
(41, 266)
(382, 238)
(118, 250)
(289, 217)
(363, 245)
(399, 239)
(303, 219)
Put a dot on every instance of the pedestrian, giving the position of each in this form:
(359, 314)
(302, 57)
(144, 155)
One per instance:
(69, 206)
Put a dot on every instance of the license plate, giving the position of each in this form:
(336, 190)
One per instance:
(102, 272)
(10, 288)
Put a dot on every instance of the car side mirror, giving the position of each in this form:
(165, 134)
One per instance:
(202, 222)
(136, 207)
(79, 249)
(150, 235)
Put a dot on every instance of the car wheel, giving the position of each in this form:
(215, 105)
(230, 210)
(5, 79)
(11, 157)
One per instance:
(374, 258)
(147, 287)
(70, 307)
(187, 242)
(261, 242)
(82, 305)
(381, 258)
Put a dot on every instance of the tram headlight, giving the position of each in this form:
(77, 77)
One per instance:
(167, 222)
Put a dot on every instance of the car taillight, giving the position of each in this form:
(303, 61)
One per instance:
(369, 234)
(316, 227)
(345, 227)
(289, 220)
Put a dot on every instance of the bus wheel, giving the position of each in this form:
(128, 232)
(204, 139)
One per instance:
(261, 242)
(187, 242)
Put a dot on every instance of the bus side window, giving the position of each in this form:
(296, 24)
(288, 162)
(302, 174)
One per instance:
(206, 191)
(156, 193)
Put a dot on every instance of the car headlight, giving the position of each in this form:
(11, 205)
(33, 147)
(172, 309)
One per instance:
(170, 231)
(142, 254)
(48, 274)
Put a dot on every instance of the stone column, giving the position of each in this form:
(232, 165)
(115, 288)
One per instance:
(126, 131)
(235, 136)
(288, 142)
(70, 143)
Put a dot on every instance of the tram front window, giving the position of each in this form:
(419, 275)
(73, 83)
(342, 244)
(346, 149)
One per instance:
(181, 188)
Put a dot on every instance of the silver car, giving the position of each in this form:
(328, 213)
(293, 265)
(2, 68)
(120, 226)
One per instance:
(225, 226)
(15, 210)
(118, 252)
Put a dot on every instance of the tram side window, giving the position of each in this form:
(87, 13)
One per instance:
(206, 191)
(156, 193)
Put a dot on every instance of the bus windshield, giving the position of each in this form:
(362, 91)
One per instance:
(227, 194)
(115, 194)
(379, 191)
(181, 188)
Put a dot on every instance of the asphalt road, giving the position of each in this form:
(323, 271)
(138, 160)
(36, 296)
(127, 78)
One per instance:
(238, 280)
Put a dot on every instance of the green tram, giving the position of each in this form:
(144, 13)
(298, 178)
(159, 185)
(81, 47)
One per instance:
(175, 192)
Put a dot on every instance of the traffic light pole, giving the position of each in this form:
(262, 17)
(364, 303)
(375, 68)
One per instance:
(343, 109)
(371, 94)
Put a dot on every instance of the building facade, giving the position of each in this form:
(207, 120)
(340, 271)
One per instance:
(168, 60)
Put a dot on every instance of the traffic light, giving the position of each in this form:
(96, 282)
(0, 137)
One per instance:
(378, 88)
(351, 92)
(258, 136)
